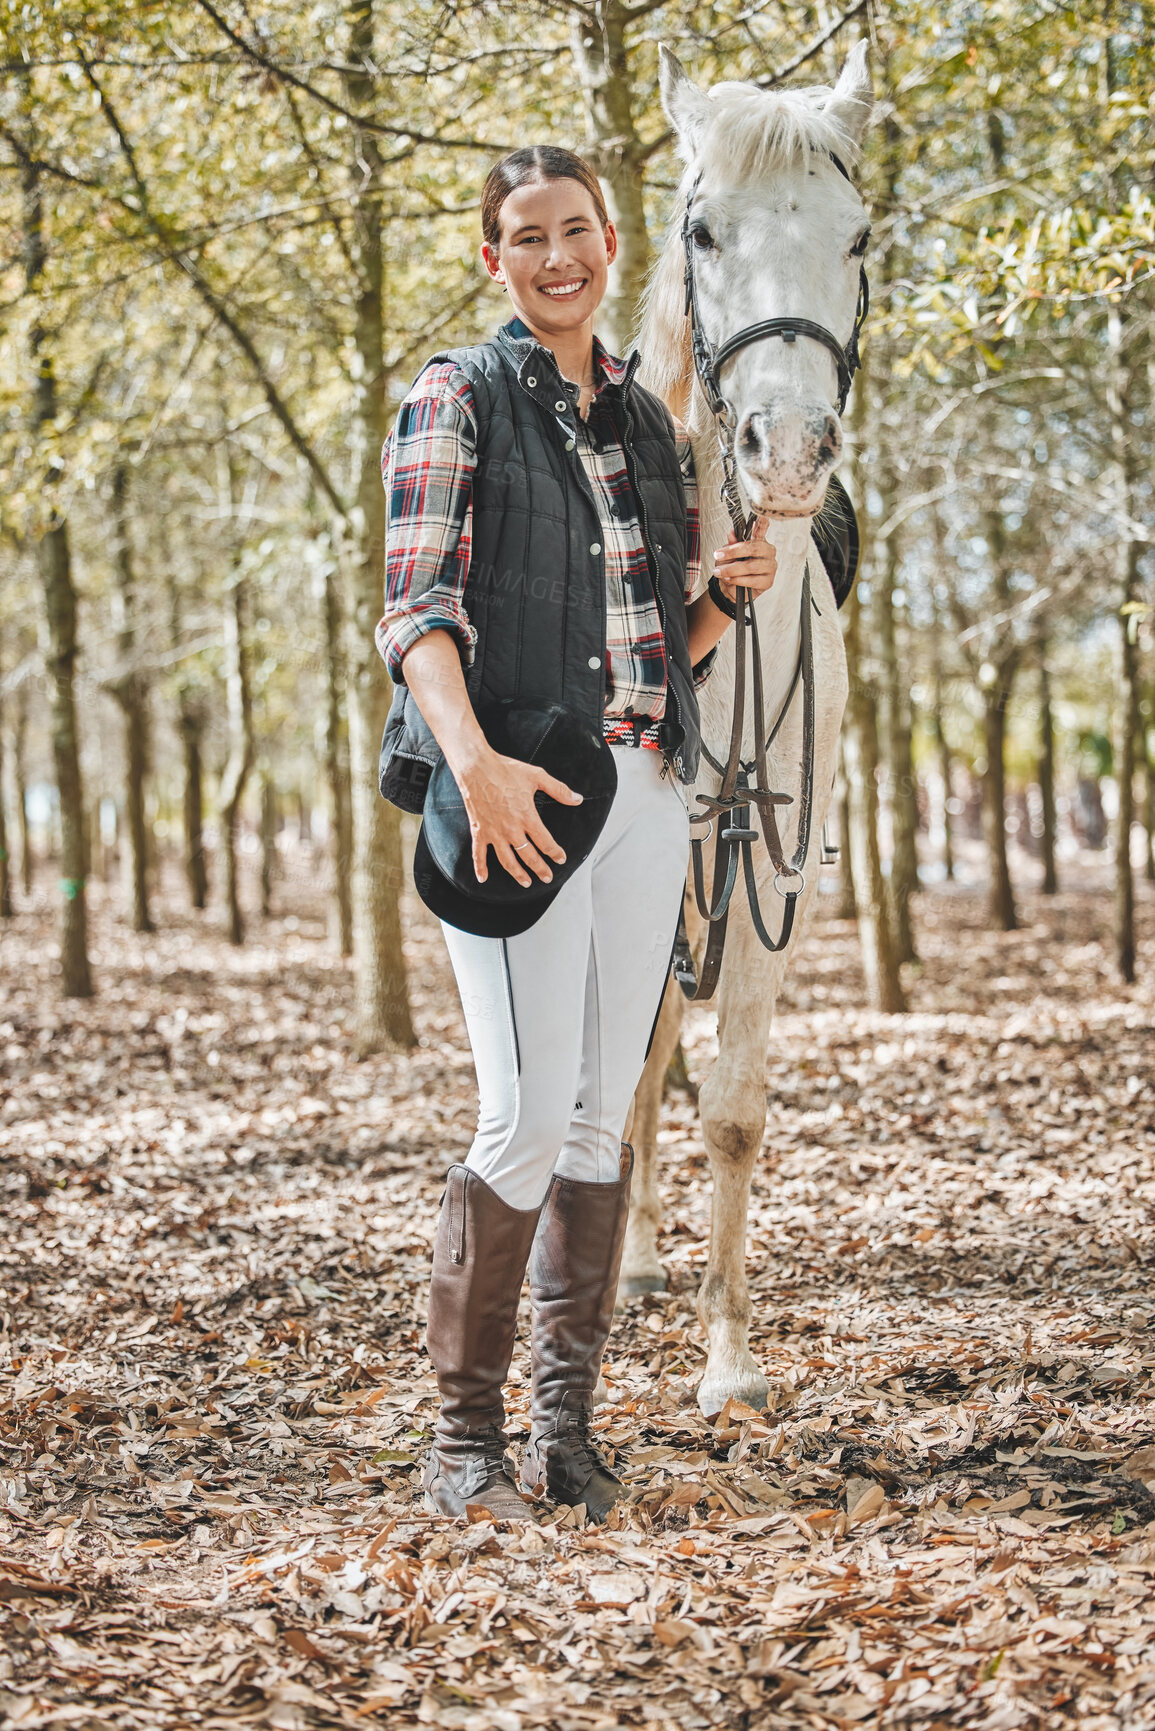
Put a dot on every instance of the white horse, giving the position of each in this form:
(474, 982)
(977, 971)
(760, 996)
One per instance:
(778, 229)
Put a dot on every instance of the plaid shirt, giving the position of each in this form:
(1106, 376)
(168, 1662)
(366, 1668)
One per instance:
(427, 467)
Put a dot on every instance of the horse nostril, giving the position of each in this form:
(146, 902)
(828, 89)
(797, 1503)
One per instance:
(830, 443)
(750, 436)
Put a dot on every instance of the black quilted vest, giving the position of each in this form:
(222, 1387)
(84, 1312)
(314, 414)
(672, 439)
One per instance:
(536, 588)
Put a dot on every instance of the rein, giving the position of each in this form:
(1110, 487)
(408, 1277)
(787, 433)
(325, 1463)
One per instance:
(728, 811)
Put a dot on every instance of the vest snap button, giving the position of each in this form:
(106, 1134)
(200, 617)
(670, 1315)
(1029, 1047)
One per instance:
(560, 406)
(594, 662)
(531, 383)
(569, 444)
(595, 546)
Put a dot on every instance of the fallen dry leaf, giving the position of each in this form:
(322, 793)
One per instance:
(216, 1401)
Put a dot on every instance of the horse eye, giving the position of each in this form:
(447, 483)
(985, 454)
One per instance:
(859, 248)
(702, 238)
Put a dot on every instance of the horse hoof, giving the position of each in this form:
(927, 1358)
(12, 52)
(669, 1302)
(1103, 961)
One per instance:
(751, 1388)
(633, 1285)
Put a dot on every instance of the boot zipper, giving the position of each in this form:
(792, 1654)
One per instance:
(457, 1227)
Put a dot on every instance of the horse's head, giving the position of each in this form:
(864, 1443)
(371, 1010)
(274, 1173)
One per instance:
(777, 231)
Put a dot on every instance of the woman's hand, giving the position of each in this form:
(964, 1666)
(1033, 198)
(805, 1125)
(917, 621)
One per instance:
(751, 564)
(498, 793)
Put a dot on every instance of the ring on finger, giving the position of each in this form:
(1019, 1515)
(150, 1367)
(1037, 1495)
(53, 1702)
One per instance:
(524, 845)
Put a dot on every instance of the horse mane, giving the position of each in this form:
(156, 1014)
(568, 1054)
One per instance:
(745, 132)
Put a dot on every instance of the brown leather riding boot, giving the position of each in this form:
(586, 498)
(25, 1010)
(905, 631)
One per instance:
(479, 1259)
(573, 1279)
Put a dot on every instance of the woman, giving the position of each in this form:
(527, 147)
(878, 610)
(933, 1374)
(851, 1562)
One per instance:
(542, 541)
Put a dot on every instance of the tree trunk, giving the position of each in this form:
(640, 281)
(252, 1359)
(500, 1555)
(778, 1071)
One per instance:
(19, 768)
(1047, 775)
(1127, 705)
(602, 61)
(269, 860)
(383, 1015)
(1000, 893)
(847, 906)
(895, 731)
(337, 763)
(945, 768)
(241, 745)
(6, 908)
(860, 756)
(190, 727)
(1148, 798)
(131, 694)
(54, 563)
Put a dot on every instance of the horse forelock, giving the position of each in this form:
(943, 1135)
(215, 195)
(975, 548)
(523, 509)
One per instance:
(747, 131)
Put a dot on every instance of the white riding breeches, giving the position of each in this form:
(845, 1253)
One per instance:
(559, 1018)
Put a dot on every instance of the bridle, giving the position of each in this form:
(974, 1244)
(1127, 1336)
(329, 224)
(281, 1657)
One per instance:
(710, 358)
(729, 809)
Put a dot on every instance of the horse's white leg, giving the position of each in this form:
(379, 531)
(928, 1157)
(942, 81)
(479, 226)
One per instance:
(641, 1269)
(733, 1111)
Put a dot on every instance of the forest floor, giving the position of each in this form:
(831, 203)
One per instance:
(213, 1392)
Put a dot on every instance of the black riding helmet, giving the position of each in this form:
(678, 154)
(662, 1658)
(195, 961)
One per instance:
(553, 737)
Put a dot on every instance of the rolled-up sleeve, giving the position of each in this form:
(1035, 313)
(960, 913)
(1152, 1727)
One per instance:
(427, 468)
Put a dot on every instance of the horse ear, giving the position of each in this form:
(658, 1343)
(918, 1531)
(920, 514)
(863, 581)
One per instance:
(853, 96)
(684, 103)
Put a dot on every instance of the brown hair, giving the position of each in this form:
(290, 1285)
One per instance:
(536, 162)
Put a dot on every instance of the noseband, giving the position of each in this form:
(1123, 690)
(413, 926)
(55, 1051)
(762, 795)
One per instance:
(744, 784)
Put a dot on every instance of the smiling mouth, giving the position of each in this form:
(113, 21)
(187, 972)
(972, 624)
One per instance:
(564, 291)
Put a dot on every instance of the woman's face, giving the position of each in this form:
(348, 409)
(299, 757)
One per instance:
(554, 256)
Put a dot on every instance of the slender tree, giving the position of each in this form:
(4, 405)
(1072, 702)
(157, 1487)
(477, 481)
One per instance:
(1143, 749)
(242, 747)
(337, 757)
(269, 826)
(383, 1016)
(190, 724)
(6, 905)
(1128, 549)
(130, 690)
(860, 755)
(20, 777)
(942, 747)
(847, 905)
(1047, 772)
(601, 56)
(54, 563)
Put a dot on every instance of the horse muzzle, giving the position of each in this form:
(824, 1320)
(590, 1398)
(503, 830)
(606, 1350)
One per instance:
(786, 456)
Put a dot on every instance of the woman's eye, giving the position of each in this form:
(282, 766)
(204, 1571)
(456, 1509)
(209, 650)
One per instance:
(701, 237)
(859, 248)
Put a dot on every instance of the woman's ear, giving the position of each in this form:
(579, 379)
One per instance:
(491, 259)
(611, 235)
